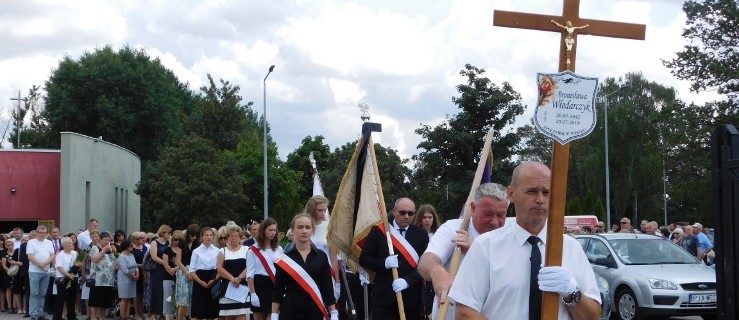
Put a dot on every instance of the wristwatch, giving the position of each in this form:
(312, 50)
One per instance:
(574, 298)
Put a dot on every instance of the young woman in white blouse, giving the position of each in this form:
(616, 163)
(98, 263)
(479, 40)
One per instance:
(261, 280)
(204, 276)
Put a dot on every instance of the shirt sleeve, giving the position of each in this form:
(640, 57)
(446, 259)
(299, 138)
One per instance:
(251, 264)
(580, 269)
(441, 244)
(30, 248)
(472, 282)
(194, 264)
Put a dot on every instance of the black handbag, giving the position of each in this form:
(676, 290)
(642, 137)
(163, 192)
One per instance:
(90, 282)
(148, 264)
(218, 290)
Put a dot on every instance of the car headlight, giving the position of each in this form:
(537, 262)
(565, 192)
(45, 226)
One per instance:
(661, 284)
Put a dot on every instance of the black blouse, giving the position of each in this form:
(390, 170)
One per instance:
(290, 295)
(187, 251)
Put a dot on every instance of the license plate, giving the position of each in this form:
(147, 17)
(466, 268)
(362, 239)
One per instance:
(703, 298)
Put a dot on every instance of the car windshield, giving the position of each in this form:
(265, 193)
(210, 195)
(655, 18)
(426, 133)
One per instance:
(641, 251)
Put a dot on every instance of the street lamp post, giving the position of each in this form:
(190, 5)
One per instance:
(264, 125)
(664, 188)
(608, 173)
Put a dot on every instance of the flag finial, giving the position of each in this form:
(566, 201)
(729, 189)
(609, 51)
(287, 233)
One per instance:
(364, 107)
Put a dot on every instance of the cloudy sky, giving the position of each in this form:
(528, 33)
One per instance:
(401, 57)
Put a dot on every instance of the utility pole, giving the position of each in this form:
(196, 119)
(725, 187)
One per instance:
(18, 120)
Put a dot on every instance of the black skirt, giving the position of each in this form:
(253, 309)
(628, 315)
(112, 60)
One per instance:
(202, 305)
(101, 297)
(263, 286)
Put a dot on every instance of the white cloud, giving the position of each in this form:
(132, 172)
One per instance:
(401, 57)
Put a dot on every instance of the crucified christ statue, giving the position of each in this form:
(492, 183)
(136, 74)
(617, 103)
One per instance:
(569, 39)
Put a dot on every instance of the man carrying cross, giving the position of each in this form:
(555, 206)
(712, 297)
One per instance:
(501, 276)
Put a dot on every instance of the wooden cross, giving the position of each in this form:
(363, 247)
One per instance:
(569, 25)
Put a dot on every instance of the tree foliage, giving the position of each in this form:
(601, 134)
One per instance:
(124, 96)
(219, 115)
(299, 162)
(445, 167)
(192, 182)
(710, 59)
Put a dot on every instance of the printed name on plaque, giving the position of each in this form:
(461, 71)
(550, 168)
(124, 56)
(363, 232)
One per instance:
(566, 105)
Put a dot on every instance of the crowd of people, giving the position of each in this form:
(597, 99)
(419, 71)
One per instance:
(694, 238)
(232, 272)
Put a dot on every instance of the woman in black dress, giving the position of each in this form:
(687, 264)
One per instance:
(139, 250)
(289, 300)
(204, 276)
(232, 267)
(157, 247)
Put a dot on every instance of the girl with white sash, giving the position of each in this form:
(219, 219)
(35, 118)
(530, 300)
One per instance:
(260, 262)
(303, 288)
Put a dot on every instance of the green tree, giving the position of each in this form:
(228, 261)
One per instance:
(220, 116)
(394, 174)
(709, 60)
(299, 162)
(636, 148)
(445, 167)
(534, 145)
(192, 182)
(124, 96)
(283, 182)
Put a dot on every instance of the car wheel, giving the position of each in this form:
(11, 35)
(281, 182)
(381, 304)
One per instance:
(627, 308)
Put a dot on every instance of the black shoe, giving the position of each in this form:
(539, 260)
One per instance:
(12, 311)
(27, 315)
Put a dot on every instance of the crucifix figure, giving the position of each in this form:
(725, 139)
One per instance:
(569, 40)
(561, 153)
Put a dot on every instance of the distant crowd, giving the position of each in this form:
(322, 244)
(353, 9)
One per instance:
(694, 238)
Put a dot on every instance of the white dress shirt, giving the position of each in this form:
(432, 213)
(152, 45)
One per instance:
(442, 246)
(84, 241)
(494, 276)
(204, 258)
(254, 264)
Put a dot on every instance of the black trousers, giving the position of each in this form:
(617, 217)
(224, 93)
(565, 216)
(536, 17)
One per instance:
(66, 296)
(391, 313)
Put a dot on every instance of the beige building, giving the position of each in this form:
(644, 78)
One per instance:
(98, 180)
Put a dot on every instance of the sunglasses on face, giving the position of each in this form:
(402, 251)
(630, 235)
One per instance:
(406, 213)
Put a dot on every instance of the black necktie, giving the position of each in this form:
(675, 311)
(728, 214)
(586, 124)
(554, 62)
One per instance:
(402, 231)
(534, 292)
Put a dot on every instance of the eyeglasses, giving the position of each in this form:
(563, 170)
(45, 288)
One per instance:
(178, 239)
(624, 222)
(406, 213)
(600, 226)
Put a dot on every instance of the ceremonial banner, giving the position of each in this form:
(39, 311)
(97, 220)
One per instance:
(566, 105)
(317, 188)
(356, 208)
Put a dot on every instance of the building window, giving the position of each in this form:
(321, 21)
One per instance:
(87, 201)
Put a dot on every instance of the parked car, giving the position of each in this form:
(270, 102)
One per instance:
(605, 297)
(650, 276)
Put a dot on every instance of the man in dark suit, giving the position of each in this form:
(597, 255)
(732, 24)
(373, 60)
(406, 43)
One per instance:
(56, 243)
(23, 258)
(375, 257)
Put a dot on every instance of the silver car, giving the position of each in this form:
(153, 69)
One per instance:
(650, 276)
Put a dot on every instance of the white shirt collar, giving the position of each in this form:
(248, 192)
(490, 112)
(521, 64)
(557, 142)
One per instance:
(395, 225)
(522, 235)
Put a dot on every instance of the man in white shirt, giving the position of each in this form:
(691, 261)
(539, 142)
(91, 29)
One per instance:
(495, 279)
(40, 255)
(83, 239)
(17, 237)
(489, 209)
